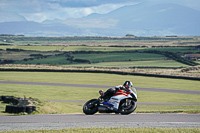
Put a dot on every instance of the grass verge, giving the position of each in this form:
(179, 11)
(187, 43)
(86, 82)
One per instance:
(114, 130)
(99, 79)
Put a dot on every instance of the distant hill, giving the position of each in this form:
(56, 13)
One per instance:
(160, 19)
(140, 20)
(37, 29)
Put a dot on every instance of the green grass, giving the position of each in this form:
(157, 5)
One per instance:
(50, 60)
(111, 57)
(100, 79)
(111, 60)
(19, 56)
(83, 94)
(114, 130)
(51, 108)
(41, 48)
(154, 63)
(103, 59)
(76, 48)
(168, 109)
(100, 48)
(5, 47)
(50, 92)
(175, 49)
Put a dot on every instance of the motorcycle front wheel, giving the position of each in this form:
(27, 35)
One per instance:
(91, 107)
(127, 106)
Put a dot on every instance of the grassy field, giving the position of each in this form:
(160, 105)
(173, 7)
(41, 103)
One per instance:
(55, 60)
(109, 60)
(45, 93)
(111, 57)
(103, 59)
(116, 59)
(154, 63)
(83, 94)
(21, 55)
(98, 48)
(115, 130)
(175, 49)
(75, 48)
(99, 79)
(41, 48)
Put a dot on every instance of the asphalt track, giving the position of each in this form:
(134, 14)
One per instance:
(134, 120)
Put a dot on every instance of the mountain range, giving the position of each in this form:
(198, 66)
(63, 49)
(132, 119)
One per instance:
(140, 20)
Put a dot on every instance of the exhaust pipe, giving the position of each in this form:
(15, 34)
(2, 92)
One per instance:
(102, 109)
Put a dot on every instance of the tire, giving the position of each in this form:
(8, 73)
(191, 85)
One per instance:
(15, 101)
(8, 99)
(15, 109)
(29, 109)
(22, 109)
(34, 108)
(91, 107)
(8, 109)
(125, 108)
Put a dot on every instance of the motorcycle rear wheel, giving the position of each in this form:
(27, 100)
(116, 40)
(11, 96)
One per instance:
(126, 108)
(91, 107)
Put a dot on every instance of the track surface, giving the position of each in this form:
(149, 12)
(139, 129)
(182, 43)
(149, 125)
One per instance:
(153, 120)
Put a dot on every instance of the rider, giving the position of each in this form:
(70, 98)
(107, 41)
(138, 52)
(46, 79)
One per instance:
(118, 89)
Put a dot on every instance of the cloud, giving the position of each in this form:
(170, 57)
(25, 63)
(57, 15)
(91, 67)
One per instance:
(89, 3)
(53, 10)
(45, 5)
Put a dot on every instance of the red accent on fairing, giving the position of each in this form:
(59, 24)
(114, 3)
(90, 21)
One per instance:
(121, 92)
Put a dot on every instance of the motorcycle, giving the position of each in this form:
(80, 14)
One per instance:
(120, 103)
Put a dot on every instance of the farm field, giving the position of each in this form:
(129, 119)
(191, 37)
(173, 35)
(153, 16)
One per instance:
(154, 63)
(69, 48)
(53, 50)
(97, 58)
(23, 40)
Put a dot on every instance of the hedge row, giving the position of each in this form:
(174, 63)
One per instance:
(80, 38)
(19, 105)
(99, 71)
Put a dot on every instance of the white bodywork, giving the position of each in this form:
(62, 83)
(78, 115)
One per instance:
(115, 100)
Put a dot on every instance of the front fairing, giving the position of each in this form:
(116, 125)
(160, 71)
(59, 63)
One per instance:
(115, 100)
(133, 90)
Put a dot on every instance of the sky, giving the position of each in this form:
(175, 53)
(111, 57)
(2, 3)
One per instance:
(40, 10)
